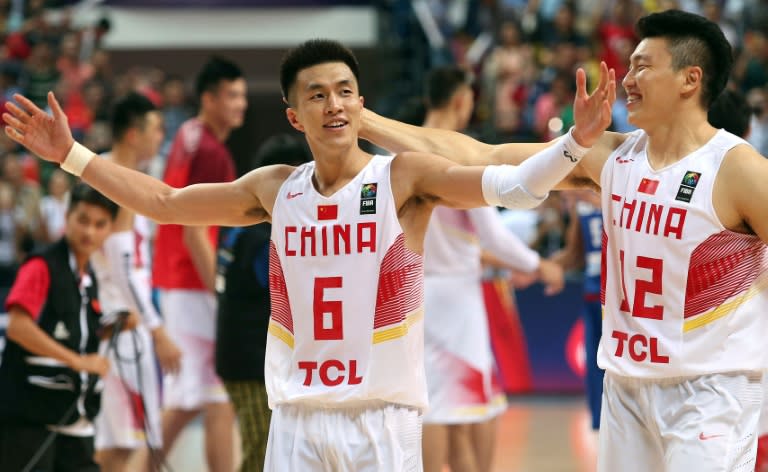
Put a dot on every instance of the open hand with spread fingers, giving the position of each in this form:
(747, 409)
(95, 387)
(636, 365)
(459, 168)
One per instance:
(46, 135)
(592, 112)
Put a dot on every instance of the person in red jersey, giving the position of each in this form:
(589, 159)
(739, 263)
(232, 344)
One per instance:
(184, 265)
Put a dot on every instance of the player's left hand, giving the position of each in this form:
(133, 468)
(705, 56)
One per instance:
(592, 112)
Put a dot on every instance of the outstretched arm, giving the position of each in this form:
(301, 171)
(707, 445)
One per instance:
(590, 113)
(235, 203)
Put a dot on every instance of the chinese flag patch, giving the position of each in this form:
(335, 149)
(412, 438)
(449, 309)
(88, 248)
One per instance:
(648, 186)
(327, 212)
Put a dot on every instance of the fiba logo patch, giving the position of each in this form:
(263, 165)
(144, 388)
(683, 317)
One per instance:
(368, 199)
(687, 186)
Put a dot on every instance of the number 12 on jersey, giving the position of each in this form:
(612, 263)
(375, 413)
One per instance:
(638, 346)
(642, 287)
(327, 314)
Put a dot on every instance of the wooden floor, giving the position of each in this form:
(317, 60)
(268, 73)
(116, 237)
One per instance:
(546, 435)
(536, 434)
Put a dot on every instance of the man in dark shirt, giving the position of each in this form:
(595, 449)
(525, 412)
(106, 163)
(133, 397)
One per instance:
(50, 366)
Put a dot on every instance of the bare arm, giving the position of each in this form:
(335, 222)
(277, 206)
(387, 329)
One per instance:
(202, 254)
(245, 201)
(25, 332)
(459, 148)
(741, 196)
(572, 255)
(512, 252)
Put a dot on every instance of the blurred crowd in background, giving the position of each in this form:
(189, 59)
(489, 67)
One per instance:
(523, 54)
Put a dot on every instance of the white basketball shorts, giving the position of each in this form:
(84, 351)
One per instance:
(702, 424)
(378, 438)
(190, 320)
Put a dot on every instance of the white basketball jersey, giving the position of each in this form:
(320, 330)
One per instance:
(111, 297)
(682, 295)
(451, 245)
(347, 296)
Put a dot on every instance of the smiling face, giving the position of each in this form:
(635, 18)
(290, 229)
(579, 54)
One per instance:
(325, 104)
(655, 90)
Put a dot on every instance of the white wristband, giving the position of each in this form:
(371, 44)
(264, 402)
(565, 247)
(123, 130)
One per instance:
(573, 150)
(79, 156)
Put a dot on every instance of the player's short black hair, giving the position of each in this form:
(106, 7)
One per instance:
(311, 53)
(442, 83)
(130, 112)
(84, 193)
(693, 41)
(282, 149)
(213, 72)
(731, 112)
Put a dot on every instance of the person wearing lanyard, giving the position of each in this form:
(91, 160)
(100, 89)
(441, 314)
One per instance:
(49, 376)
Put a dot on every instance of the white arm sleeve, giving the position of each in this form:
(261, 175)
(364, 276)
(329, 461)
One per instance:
(527, 185)
(120, 251)
(501, 242)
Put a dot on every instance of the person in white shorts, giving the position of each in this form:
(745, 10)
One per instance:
(464, 398)
(344, 361)
(129, 418)
(684, 276)
(184, 266)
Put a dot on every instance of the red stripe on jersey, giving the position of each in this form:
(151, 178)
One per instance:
(278, 292)
(401, 284)
(721, 267)
(648, 186)
(327, 212)
(603, 265)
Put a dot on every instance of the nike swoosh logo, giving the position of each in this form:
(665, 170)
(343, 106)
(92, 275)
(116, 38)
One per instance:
(704, 438)
(294, 195)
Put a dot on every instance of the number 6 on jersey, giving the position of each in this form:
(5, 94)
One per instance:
(321, 307)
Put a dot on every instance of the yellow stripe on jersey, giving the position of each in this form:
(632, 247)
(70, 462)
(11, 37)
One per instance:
(726, 308)
(388, 334)
(496, 402)
(280, 333)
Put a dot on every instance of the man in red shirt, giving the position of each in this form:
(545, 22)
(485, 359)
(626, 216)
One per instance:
(184, 265)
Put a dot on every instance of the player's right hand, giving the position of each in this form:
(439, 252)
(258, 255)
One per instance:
(592, 112)
(93, 364)
(168, 353)
(552, 276)
(47, 136)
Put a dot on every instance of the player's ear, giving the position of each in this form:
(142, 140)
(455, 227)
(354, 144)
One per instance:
(692, 79)
(362, 100)
(290, 113)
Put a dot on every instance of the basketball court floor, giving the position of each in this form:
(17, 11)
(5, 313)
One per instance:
(536, 434)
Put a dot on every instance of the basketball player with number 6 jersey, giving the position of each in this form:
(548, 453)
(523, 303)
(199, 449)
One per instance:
(684, 268)
(344, 368)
